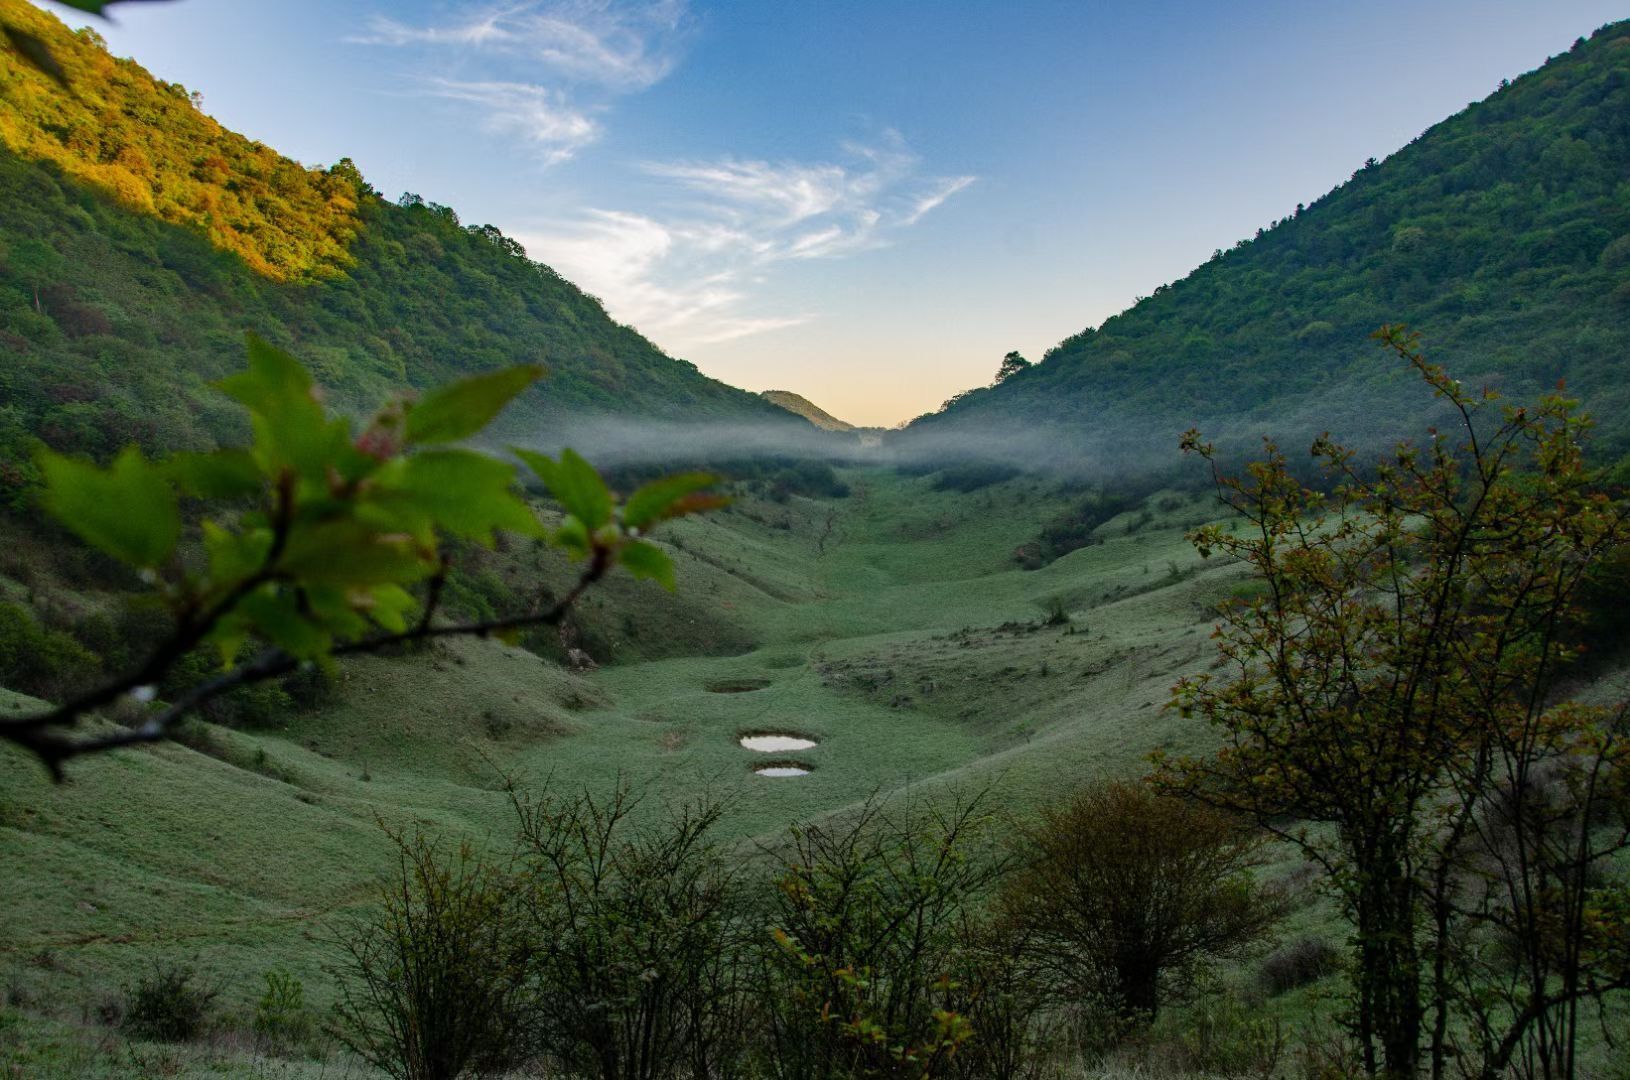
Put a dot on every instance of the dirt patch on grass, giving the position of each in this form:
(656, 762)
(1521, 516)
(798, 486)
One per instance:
(735, 686)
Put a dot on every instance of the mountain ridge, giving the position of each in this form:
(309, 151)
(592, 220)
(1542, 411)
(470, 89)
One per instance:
(114, 321)
(1502, 233)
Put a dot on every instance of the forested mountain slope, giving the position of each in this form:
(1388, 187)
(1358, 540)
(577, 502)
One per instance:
(140, 239)
(1502, 234)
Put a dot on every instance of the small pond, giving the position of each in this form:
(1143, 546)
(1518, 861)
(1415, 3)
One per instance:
(776, 744)
(784, 769)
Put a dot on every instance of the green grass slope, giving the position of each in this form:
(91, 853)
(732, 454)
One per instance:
(1503, 234)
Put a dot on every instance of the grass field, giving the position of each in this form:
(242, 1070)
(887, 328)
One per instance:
(893, 627)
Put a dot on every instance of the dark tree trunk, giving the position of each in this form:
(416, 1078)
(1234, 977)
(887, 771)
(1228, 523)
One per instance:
(1138, 983)
(1389, 971)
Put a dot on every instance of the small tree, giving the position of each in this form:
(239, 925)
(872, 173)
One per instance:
(1011, 365)
(869, 973)
(1397, 674)
(639, 948)
(435, 983)
(1131, 896)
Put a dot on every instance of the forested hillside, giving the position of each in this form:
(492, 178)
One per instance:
(1502, 234)
(141, 239)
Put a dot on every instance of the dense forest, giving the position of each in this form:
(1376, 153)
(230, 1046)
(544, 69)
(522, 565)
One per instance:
(1502, 234)
(132, 262)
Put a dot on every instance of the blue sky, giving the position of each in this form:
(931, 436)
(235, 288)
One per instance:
(864, 201)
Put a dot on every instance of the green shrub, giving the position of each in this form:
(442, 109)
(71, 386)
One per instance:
(433, 984)
(168, 1005)
(973, 475)
(45, 663)
(281, 1015)
(1224, 1036)
(638, 938)
(871, 971)
(1070, 531)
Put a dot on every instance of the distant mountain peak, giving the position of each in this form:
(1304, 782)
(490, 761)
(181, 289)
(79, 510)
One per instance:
(797, 403)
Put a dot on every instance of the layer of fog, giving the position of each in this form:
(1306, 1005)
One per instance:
(1107, 447)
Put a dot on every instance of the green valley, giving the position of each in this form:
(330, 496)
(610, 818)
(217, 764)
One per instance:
(1032, 739)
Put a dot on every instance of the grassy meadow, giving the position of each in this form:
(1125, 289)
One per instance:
(892, 626)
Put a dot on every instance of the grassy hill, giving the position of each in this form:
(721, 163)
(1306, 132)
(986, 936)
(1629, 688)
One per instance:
(797, 403)
(119, 302)
(1502, 234)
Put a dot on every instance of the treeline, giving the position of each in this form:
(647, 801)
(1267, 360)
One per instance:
(113, 326)
(1503, 233)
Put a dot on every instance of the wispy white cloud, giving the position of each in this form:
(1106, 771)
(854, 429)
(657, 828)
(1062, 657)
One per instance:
(536, 114)
(687, 274)
(790, 192)
(618, 44)
(936, 197)
(681, 284)
(481, 28)
(576, 57)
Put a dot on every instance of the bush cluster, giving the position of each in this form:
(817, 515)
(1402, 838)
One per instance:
(169, 1004)
(617, 941)
(1300, 963)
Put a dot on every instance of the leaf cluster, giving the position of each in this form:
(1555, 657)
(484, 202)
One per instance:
(313, 539)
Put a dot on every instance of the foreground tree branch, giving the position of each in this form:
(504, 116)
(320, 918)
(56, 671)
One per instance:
(45, 736)
(325, 543)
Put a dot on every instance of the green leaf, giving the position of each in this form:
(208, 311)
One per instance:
(334, 608)
(645, 560)
(224, 474)
(234, 556)
(574, 484)
(128, 510)
(276, 617)
(656, 500)
(229, 636)
(390, 606)
(460, 409)
(274, 379)
(465, 493)
(95, 7)
(572, 537)
(291, 430)
(350, 554)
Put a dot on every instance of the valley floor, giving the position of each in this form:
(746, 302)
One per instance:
(892, 627)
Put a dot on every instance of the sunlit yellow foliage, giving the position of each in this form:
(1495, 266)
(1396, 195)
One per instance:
(145, 144)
